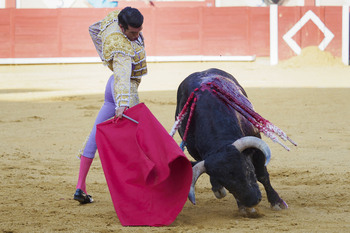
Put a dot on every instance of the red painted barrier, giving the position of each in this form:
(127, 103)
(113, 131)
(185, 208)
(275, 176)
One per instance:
(206, 31)
(6, 33)
(169, 31)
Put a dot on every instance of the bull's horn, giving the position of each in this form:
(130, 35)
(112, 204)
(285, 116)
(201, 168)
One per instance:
(197, 170)
(249, 142)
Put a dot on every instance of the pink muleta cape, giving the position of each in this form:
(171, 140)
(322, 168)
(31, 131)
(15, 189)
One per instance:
(147, 174)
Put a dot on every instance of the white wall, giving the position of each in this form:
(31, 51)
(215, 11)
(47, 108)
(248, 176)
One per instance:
(332, 2)
(2, 4)
(227, 3)
(51, 3)
(218, 3)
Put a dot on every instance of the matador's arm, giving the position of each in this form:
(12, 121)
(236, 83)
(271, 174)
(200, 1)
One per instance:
(122, 72)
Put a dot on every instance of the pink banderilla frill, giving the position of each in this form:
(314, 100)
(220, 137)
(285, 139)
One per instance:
(231, 95)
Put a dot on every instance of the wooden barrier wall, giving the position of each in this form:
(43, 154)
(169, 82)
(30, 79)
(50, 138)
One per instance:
(169, 31)
(310, 34)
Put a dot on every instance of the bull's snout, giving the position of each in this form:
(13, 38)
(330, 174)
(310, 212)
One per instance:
(252, 199)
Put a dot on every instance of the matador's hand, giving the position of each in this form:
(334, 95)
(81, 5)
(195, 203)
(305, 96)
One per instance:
(119, 111)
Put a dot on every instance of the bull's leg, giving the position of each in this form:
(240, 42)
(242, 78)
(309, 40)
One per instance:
(276, 202)
(263, 177)
(218, 190)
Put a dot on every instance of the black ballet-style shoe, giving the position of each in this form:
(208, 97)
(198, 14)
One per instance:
(80, 196)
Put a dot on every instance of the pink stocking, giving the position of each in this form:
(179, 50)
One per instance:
(85, 164)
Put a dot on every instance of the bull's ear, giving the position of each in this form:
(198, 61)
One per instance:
(197, 171)
(253, 142)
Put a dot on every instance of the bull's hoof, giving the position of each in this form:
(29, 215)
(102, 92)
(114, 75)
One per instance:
(221, 193)
(250, 212)
(281, 205)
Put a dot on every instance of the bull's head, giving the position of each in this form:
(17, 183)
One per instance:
(234, 171)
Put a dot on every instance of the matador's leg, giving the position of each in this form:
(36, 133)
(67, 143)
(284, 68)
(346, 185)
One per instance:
(90, 147)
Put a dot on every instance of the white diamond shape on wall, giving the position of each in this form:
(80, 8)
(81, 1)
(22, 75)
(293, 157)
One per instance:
(328, 35)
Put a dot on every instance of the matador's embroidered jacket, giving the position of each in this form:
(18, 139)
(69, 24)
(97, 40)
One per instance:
(127, 59)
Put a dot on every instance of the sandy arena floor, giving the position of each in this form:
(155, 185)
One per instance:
(47, 112)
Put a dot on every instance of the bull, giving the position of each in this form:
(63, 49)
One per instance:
(224, 140)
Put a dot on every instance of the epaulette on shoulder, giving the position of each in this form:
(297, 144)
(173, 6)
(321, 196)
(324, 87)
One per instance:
(117, 43)
(110, 18)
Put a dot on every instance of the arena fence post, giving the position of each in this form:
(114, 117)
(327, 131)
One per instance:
(345, 35)
(274, 34)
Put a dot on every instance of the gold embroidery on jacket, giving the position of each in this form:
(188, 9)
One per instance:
(122, 73)
(110, 18)
(127, 60)
(114, 41)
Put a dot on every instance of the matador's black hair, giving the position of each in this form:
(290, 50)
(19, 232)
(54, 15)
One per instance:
(130, 17)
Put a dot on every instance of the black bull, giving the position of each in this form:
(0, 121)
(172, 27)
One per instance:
(224, 143)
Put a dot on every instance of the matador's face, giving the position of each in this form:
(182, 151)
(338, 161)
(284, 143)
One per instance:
(132, 33)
